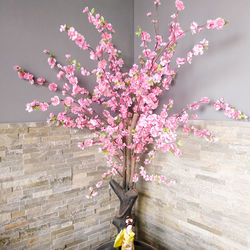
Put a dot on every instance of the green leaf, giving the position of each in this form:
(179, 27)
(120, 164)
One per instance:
(92, 11)
(159, 68)
(226, 22)
(241, 116)
(118, 120)
(99, 75)
(173, 76)
(127, 83)
(89, 96)
(172, 47)
(67, 28)
(105, 151)
(102, 134)
(36, 108)
(151, 82)
(169, 107)
(143, 59)
(133, 131)
(52, 55)
(138, 33)
(115, 134)
(66, 107)
(118, 54)
(205, 47)
(106, 106)
(179, 143)
(159, 51)
(166, 130)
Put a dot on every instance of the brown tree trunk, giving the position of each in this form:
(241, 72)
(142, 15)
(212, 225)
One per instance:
(127, 194)
(127, 201)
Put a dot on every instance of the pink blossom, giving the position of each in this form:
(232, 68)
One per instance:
(204, 42)
(88, 142)
(68, 101)
(193, 27)
(80, 145)
(62, 28)
(157, 2)
(135, 178)
(158, 39)
(60, 74)
(55, 100)
(29, 107)
(72, 33)
(46, 51)
(40, 80)
(52, 62)
(180, 61)
(179, 5)
(20, 75)
(106, 36)
(102, 64)
(68, 56)
(52, 87)
(189, 57)
(219, 23)
(85, 10)
(94, 193)
(114, 171)
(210, 24)
(195, 105)
(145, 36)
(149, 14)
(16, 67)
(28, 76)
(98, 185)
(43, 106)
(173, 16)
(186, 129)
(205, 100)
(171, 182)
(198, 50)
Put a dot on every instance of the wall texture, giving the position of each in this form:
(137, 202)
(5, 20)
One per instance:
(208, 208)
(30, 26)
(44, 178)
(223, 70)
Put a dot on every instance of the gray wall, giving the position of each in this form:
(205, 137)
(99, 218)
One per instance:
(224, 69)
(30, 26)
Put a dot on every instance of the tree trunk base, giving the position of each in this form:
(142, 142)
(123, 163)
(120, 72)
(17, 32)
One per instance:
(127, 201)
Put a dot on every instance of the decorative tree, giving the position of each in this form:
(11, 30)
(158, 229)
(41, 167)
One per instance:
(128, 127)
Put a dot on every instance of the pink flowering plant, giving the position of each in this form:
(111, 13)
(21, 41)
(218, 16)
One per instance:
(128, 127)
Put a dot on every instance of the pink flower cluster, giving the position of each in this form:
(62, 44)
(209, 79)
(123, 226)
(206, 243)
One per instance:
(35, 105)
(128, 100)
(155, 178)
(229, 111)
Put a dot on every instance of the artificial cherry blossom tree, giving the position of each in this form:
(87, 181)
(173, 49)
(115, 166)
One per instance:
(128, 128)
